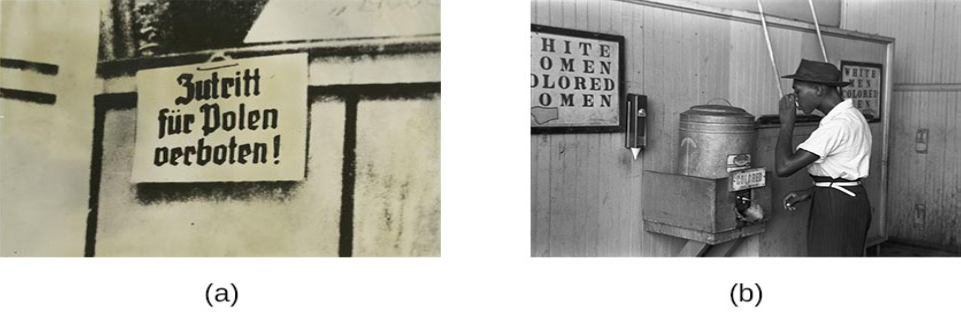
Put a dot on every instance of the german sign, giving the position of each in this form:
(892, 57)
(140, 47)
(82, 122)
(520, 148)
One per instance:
(233, 120)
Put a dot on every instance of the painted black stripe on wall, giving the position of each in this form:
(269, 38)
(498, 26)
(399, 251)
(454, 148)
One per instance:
(101, 103)
(400, 91)
(34, 97)
(96, 165)
(39, 67)
(348, 173)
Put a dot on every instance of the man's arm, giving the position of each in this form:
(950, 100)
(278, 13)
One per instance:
(786, 161)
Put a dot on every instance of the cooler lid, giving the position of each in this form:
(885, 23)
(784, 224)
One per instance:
(721, 114)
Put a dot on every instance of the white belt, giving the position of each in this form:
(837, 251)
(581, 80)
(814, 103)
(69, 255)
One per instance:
(838, 186)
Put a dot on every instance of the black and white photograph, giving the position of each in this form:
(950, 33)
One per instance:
(234, 128)
(746, 128)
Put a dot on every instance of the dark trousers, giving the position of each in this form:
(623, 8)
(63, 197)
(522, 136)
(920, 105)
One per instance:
(838, 225)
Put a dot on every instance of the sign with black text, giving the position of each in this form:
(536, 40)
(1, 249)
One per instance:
(866, 87)
(576, 81)
(233, 120)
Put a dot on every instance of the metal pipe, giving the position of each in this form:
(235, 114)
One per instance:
(770, 51)
(818, 28)
(886, 133)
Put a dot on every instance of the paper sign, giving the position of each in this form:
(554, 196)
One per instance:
(575, 79)
(865, 90)
(746, 179)
(234, 120)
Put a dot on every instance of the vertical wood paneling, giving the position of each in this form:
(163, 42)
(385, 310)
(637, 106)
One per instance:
(931, 119)
(927, 46)
(593, 186)
(951, 199)
(919, 161)
(951, 61)
(925, 31)
(540, 195)
(541, 12)
(582, 193)
(559, 216)
(905, 163)
(540, 176)
(607, 224)
(898, 149)
(941, 40)
(638, 21)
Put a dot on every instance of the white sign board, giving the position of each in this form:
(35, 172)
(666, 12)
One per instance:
(575, 79)
(234, 120)
(865, 90)
(746, 179)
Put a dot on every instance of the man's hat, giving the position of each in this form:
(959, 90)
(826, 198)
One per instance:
(818, 72)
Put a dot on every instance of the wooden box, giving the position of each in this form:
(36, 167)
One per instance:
(697, 208)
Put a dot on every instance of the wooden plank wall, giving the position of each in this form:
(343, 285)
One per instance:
(585, 187)
(926, 95)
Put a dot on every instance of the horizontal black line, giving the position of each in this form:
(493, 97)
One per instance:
(379, 91)
(346, 39)
(122, 67)
(40, 98)
(40, 67)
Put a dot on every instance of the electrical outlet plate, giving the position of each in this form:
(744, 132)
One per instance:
(919, 213)
(921, 141)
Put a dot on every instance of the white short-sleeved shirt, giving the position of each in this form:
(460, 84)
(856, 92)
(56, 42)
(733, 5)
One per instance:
(843, 143)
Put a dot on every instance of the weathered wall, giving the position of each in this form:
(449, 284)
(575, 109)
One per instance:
(45, 148)
(398, 178)
(586, 188)
(373, 158)
(387, 182)
(927, 94)
(221, 219)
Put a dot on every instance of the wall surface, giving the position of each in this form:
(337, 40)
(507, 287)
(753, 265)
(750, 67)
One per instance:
(828, 11)
(586, 188)
(372, 185)
(45, 148)
(927, 94)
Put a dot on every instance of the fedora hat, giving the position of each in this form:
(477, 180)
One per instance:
(818, 72)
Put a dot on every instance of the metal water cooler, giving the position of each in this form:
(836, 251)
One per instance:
(715, 194)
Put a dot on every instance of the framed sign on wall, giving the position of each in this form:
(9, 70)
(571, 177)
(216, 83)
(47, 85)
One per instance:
(866, 87)
(577, 81)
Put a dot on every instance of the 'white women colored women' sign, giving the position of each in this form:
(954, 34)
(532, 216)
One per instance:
(574, 79)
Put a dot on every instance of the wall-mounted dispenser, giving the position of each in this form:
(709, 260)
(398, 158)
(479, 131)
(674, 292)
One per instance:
(635, 138)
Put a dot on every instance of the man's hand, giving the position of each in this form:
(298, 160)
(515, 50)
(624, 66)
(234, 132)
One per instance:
(787, 107)
(796, 197)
